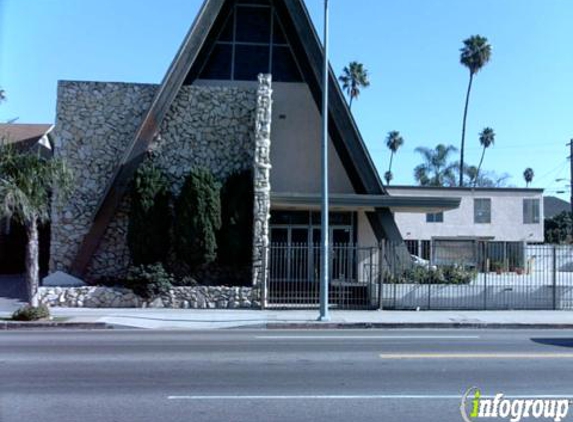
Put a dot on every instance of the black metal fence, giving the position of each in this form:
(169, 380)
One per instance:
(459, 274)
(294, 276)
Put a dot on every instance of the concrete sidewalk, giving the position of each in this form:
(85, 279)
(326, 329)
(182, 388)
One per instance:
(217, 319)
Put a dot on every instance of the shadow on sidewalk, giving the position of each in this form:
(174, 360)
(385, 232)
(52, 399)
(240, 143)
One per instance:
(12, 292)
(560, 341)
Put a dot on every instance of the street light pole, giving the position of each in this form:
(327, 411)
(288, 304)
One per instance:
(324, 227)
(571, 185)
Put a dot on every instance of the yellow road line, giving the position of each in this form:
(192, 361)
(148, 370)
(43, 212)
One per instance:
(394, 356)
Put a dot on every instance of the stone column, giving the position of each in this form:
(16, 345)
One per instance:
(262, 187)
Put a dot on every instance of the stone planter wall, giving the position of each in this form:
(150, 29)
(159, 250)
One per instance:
(206, 127)
(200, 297)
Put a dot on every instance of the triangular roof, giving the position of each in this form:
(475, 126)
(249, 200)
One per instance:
(553, 206)
(307, 48)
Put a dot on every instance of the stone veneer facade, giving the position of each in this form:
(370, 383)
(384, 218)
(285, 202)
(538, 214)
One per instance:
(262, 185)
(216, 128)
(198, 297)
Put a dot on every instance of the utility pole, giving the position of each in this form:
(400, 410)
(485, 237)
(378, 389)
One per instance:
(571, 185)
(324, 226)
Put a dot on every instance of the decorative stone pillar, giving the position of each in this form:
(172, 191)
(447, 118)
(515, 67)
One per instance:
(262, 187)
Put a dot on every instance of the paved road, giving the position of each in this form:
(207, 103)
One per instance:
(258, 375)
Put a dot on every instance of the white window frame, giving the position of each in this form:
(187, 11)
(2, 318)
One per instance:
(533, 207)
(480, 213)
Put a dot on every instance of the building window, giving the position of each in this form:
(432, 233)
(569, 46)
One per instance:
(482, 211)
(436, 217)
(252, 41)
(530, 211)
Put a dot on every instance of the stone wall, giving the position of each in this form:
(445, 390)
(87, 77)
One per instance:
(199, 297)
(207, 127)
(262, 185)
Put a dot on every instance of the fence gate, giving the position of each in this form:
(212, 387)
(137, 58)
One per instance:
(294, 276)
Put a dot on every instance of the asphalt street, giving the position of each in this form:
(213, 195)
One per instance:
(263, 375)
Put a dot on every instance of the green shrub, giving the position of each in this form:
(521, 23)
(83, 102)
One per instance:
(150, 217)
(31, 313)
(235, 239)
(149, 281)
(444, 275)
(197, 219)
(458, 275)
(558, 228)
(423, 275)
(497, 266)
(186, 281)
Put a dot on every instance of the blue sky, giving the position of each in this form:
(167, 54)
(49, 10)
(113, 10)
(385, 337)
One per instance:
(410, 47)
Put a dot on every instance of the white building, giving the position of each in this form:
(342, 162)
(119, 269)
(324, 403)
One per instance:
(485, 214)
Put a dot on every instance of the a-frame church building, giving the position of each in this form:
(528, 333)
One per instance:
(243, 92)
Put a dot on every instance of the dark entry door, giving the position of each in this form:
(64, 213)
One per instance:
(342, 255)
(299, 255)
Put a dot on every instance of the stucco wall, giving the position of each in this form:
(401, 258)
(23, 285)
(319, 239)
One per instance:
(368, 258)
(366, 236)
(295, 151)
(506, 216)
(208, 127)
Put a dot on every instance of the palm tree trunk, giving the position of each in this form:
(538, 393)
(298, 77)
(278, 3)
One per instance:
(464, 130)
(350, 105)
(479, 166)
(391, 157)
(32, 262)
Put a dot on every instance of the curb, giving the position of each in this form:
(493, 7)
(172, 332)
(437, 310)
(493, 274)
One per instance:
(413, 325)
(18, 325)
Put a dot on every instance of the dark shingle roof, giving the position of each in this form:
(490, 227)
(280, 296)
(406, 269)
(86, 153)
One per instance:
(553, 206)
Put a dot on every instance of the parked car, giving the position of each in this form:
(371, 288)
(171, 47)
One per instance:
(421, 262)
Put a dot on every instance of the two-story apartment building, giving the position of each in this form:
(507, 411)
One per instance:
(500, 216)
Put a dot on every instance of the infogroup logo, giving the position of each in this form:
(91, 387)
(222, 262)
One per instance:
(475, 407)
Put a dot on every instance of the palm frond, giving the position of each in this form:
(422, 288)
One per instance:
(487, 137)
(353, 78)
(394, 140)
(27, 182)
(475, 53)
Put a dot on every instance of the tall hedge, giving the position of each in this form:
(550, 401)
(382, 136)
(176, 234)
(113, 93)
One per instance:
(197, 219)
(150, 216)
(236, 234)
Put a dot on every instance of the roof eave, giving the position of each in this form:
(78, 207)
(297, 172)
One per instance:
(411, 204)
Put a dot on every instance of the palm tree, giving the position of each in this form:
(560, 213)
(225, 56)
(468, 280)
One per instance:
(2, 95)
(388, 176)
(486, 139)
(393, 141)
(472, 172)
(436, 170)
(528, 175)
(475, 54)
(353, 78)
(26, 184)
